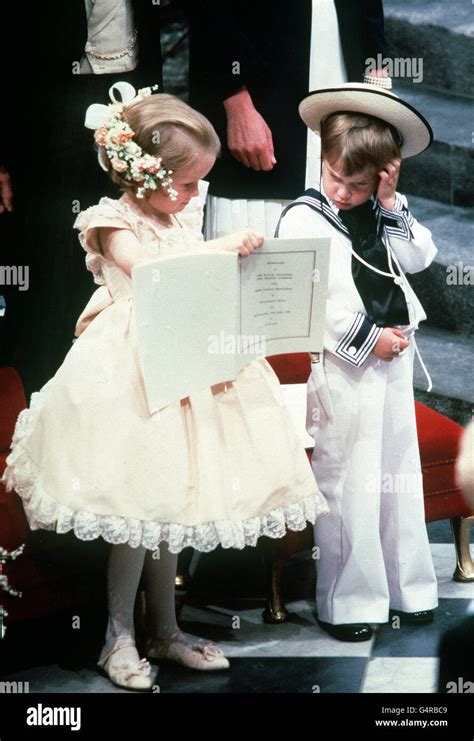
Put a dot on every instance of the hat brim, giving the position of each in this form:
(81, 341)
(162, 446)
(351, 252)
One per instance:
(415, 132)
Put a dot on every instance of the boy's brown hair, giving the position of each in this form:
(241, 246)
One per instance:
(355, 141)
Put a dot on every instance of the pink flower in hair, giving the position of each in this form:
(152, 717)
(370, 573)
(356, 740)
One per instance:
(119, 165)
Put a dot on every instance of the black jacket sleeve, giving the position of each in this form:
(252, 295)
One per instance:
(373, 19)
(224, 49)
(361, 28)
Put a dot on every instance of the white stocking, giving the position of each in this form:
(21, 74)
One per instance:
(123, 576)
(160, 574)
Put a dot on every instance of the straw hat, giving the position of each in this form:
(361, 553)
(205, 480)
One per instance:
(358, 97)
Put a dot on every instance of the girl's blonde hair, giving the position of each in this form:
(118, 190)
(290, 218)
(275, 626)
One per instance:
(354, 141)
(164, 126)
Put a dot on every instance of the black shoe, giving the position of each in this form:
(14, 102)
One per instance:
(422, 617)
(352, 632)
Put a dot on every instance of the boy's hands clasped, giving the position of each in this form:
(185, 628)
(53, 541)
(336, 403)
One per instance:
(390, 344)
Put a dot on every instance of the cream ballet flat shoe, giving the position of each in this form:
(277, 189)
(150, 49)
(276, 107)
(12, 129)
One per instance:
(201, 656)
(127, 674)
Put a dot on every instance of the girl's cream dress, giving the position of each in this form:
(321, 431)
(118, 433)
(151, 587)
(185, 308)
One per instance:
(223, 466)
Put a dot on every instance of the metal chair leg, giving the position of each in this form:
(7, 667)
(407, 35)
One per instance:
(461, 527)
(183, 577)
(187, 564)
(274, 558)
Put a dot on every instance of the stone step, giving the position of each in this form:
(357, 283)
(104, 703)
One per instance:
(446, 288)
(450, 359)
(439, 33)
(450, 115)
(445, 172)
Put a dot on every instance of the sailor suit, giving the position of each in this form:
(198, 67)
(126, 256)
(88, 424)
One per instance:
(373, 550)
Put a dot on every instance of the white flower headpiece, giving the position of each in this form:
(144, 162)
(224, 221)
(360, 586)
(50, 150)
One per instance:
(116, 136)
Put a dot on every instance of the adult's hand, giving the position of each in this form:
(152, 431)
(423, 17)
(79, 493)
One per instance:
(248, 137)
(6, 191)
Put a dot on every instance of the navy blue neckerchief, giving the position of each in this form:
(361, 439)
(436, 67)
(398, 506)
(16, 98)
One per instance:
(383, 299)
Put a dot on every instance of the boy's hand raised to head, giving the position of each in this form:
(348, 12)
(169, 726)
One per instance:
(386, 192)
(390, 344)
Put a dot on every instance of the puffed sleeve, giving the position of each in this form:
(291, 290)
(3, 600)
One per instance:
(104, 214)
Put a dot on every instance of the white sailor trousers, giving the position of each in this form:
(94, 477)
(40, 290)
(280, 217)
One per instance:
(373, 552)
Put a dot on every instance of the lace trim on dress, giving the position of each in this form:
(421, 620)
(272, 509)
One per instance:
(188, 230)
(44, 512)
(191, 217)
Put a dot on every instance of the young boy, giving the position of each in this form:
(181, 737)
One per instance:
(374, 553)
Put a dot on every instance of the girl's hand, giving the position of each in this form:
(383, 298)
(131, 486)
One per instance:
(243, 242)
(390, 344)
(386, 191)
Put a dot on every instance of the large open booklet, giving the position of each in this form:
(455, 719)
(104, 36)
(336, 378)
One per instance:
(201, 317)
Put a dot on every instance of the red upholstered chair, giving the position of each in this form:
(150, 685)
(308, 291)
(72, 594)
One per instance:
(438, 438)
(54, 573)
(13, 526)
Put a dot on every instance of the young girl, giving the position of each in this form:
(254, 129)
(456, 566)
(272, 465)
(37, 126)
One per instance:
(374, 550)
(222, 466)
